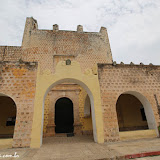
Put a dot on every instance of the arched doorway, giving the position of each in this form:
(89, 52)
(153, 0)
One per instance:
(81, 111)
(7, 116)
(64, 119)
(135, 116)
(131, 114)
(89, 120)
(66, 74)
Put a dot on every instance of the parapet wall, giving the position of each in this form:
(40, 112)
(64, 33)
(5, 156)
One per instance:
(10, 53)
(48, 47)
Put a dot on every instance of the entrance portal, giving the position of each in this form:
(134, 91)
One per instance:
(64, 116)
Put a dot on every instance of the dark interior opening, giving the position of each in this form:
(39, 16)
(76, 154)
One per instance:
(143, 114)
(7, 117)
(130, 113)
(64, 116)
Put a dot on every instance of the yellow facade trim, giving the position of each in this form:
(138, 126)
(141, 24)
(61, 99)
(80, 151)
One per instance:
(66, 73)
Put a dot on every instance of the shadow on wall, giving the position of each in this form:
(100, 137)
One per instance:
(7, 116)
(134, 112)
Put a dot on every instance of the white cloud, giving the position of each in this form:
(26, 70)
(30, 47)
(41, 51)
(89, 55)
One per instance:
(133, 25)
(136, 36)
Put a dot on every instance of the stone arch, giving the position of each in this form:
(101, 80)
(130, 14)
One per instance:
(76, 81)
(67, 96)
(13, 115)
(70, 74)
(147, 107)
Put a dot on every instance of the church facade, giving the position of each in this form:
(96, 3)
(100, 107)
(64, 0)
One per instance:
(66, 83)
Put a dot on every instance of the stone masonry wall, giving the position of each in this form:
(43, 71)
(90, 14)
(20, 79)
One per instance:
(70, 91)
(115, 80)
(18, 81)
(49, 46)
(10, 53)
(46, 113)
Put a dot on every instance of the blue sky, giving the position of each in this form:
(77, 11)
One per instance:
(133, 25)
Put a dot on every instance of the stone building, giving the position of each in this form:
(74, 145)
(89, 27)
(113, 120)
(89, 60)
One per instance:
(66, 83)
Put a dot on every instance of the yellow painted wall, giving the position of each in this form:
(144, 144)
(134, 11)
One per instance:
(86, 122)
(128, 111)
(46, 112)
(70, 73)
(6, 110)
(87, 125)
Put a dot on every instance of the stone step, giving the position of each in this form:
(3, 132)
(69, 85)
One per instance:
(61, 135)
